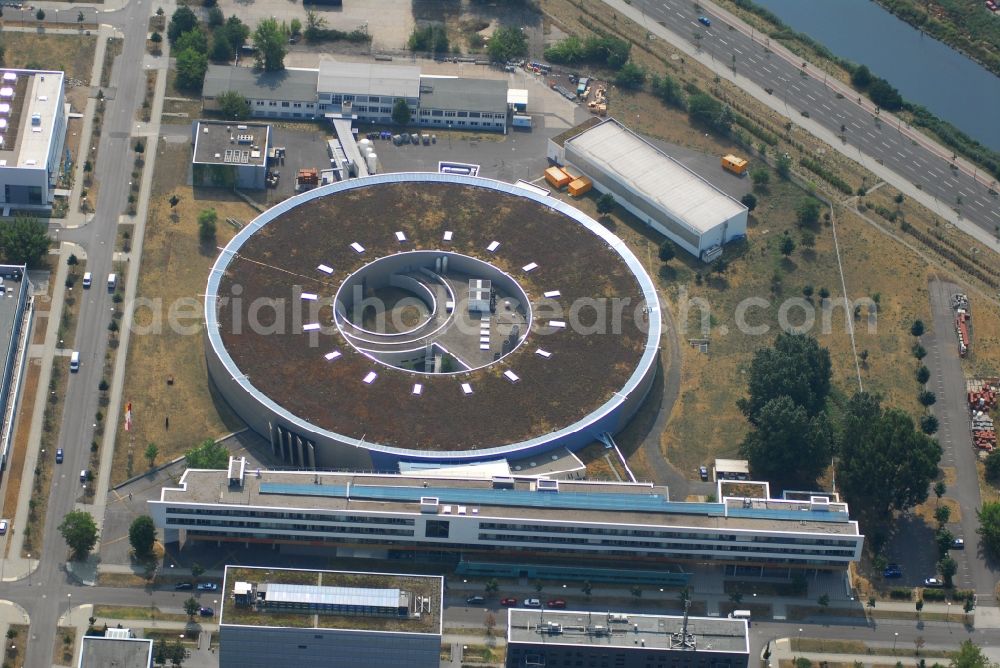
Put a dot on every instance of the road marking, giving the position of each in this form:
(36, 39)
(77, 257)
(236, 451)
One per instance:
(810, 97)
(823, 104)
(979, 204)
(856, 125)
(900, 154)
(870, 135)
(723, 41)
(678, 14)
(737, 51)
(766, 69)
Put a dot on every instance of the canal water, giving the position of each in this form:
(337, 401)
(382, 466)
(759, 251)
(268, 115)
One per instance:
(924, 70)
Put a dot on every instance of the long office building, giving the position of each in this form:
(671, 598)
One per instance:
(552, 639)
(621, 523)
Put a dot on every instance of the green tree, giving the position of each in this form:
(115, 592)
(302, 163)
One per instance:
(192, 39)
(861, 76)
(989, 527)
(401, 114)
(222, 49)
(760, 176)
(181, 21)
(431, 38)
(80, 533)
(237, 32)
(993, 466)
(923, 375)
(884, 95)
(191, 68)
(969, 655)
(295, 27)
(667, 251)
(151, 452)
(630, 76)
(883, 445)
(40, 14)
(667, 89)
(270, 40)
(197, 570)
(587, 588)
(942, 514)
(605, 204)
(207, 220)
(943, 539)
(162, 652)
(507, 43)
(215, 17)
(947, 567)
(919, 351)
(795, 366)
(939, 487)
(824, 601)
(142, 536)
(783, 166)
(928, 425)
(207, 455)
(156, 38)
(787, 246)
(749, 200)
(708, 112)
(919, 605)
(24, 241)
(917, 328)
(492, 587)
(927, 398)
(789, 448)
(191, 607)
(807, 212)
(233, 105)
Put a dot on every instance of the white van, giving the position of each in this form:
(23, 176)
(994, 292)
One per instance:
(86, 279)
(112, 282)
(740, 614)
(74, 361)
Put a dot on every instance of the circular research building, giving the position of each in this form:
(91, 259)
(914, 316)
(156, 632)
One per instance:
(429, 318)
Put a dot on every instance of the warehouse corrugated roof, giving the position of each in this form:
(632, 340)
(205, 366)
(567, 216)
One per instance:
(465, 94)
(288, 84)
(656, 176)
(369, 79)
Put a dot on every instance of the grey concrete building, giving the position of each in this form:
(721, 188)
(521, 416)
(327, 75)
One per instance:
(463, 104)
(552, 639)
(15, 330)
(290, 93)
(228, 154)
(366, 91)
(273, 616)
(119, 649)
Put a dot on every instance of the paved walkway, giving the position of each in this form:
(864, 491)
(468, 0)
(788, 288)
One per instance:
(781, 650)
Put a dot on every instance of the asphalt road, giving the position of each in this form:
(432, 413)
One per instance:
(804, 90)
(948, 383)
(81, 403)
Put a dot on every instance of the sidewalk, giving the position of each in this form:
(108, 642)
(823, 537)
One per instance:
(781, 650)
(850, 151)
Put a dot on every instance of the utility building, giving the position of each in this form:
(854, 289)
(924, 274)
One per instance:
(463, 104)
(230, 154)
(654, 187)
(33, 118)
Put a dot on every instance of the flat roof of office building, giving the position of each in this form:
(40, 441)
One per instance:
(29, 106)
(119, 652)
(568, 627)
(369, 79)
(575, 501)
(222, 143)
(482, 95)
(425, 593)
(656, 176)
(289, 84)
(8, 306)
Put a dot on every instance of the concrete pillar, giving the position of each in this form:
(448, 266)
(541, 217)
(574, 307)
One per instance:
(311, 454)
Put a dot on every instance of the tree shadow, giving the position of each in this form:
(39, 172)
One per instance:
(788, 264)
(667, 272)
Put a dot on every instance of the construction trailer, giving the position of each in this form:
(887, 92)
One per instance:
(734, 164)
(580, 186)
(557, 178)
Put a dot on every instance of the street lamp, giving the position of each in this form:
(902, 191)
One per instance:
(29, 569)
(69, 607)
(894, 639)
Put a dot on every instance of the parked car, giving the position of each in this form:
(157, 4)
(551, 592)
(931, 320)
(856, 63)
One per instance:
(555, 603)
(59, 456)
(208, 586)
(475, 600)
(508, 602)
(87, 279)
(703, 472)
(892, 571)
(933, 582)
(183, 585)
(958, 544)
(532, 603)
(206, 612)
(3, 527)
(704, 20)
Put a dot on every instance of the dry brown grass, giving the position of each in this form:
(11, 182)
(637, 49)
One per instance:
(15, 643)
(64, 643)
(73, 54)
(174, 267)
(925, 510)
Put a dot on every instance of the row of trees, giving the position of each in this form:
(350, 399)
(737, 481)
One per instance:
(507, 42)
(883, 463)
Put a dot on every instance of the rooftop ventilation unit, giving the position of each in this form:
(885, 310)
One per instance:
(547, 486)
(429, 504)
(244, 139)
(503, 482)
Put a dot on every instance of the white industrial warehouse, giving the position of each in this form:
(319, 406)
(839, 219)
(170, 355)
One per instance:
(657, 189)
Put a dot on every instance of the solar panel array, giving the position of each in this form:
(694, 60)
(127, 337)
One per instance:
(329, 596)
(236, 156)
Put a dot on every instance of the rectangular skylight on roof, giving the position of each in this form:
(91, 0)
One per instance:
(358, 248)
(558, 324)
(530, 266)
(418, 389)
(448, 235)
(332, 355)
(543, 353)
(370, 378)
(400, 237)
(493, 246)
(311, 327)
(484, 346)
(551, 294)
(325, 269)
(511, 376)
(466, 388)
(308, 296)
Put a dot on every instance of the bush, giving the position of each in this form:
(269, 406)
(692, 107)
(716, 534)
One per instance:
(901, 593)
(929, 424)
(917, 328)
(927, 398)
(923, 375)
(993, 466)
(934, 595)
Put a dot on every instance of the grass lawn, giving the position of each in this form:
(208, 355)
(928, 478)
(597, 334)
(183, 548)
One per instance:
(104, 612)
(174, 267)
(64, 644)
(15, 643)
